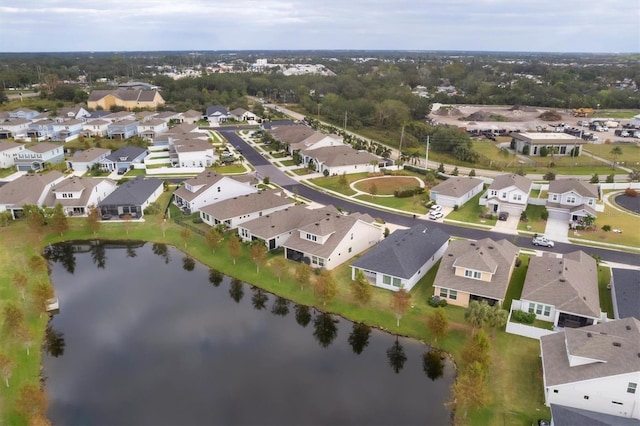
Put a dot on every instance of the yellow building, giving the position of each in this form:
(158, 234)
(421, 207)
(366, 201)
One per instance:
(129, 99)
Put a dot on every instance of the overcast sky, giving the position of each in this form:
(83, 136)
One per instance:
(485, 25)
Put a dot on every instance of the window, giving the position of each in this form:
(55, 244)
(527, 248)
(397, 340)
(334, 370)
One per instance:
(554, 197)
(468, 273)
(517, 197)
(349, 249)
(538, 309)
(631, 387)
(443, 292)
(547, 311)
(453, 294)
(218, 189)
(386, 279)
(571, 200)
(586, 397)
(352, 239)
(494, 192)
(311, 237)
(397, 282)
(531, 307)
(556, 391)
(472, 274)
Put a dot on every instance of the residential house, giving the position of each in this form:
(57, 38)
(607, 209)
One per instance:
(122, 129)
(24, 113)
(332, 240)
(275, 228)
(562, 289)
(334, 160)
(129, 99)
(291, 134)
(41, 130)
(96, 128)
(456, 191)
(123, 158)
(168, 116)
(16, 128)
(68, 130)
(77, 112)
(9, 152)
(191, 152)
(475, 270)
(237, 210)
(122, 116)
(149, 129)
(314, 141)
(241, 114)
(561, 415)
(217, 114)
(625, 292)
(507, 193)
(191, 116)
(78, 194)
(571, 200)
(29, 189)
(131, 198)
(84, 160)
(554, 143)
(594, 368)
(98, 115)
(403, 258)
(208, 188)
(35, 156)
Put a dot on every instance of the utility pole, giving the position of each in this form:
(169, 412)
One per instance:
(426, 157)
(345, 120)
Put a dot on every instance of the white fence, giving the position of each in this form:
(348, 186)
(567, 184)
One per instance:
(175, 170)
(523, 329)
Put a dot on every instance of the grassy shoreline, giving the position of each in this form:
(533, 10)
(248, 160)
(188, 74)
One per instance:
(512, 400)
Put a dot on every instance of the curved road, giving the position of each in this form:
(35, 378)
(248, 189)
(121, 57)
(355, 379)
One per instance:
(265, 168)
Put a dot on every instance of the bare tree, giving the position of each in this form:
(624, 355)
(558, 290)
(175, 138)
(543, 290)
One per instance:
(279, 266)
(400, 304)
(93, 220)
(20, 282)
(214, 238)
(258, 253)
(234, 247)
(6, 368)
(326, 286)
(185, 234)
(303, 274)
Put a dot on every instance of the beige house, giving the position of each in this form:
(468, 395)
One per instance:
(555, 143)
(128, 99)
(456, 191)
(475, 270)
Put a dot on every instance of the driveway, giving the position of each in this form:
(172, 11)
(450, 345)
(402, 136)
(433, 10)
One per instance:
(557, 230)
(509, 226)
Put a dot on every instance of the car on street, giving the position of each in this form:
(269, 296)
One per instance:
(435, 215)
(542, 241)
(435, 208)
(503, 215)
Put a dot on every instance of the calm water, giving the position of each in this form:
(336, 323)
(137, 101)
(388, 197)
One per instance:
(146, 336)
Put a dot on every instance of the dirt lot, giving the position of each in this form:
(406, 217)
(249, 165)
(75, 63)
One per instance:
(512, 118)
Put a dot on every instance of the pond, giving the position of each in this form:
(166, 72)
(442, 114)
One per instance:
(146, 335)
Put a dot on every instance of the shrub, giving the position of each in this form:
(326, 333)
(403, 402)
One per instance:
(441, 168)
(549, 176)
(472, 172)
(197, 220)
(595, 178)
(523, 317)
(611, 178)
(456, 207)
(544, 151)
(436, 302)
(544, 215)
(409, 192)
(525, 150)
(518, 262)
(523, 216)
(266, 180)
(606, 228)
(455, 171)
(631, 192)
(325, 173)
(386, 232)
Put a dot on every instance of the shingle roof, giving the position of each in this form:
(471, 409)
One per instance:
(502, 252)
(626, 287)
(42, 147)
(238, 111)
(134, 192)
(124, 94)
(27, 189)
(191, 145)
(247, 204)
(292, 133)
(403, 252)
(126, 152)
(342, 155)
(89, 154)
(505, 181)
(570, 416)
(584, 189)
(456, 186)
(286, 220)
(7, 145)
(569, 283)
(594, 342)
(204, 180)
(73, 184)
(192, 113)
(216, 109)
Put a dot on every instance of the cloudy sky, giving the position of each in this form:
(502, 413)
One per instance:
(490, 25)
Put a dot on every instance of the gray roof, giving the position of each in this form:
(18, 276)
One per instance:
(291, 133)
(286, 220)
(594, 342)
(27, 189)
(501, 252)
(584, 189)
(134, 192)
(341, 155)
(182, 129)
(42, 147)
(204, 180)
(216, 109)
(73, 184)
(456, 186)
(336, 226)
(403, 252)
(569, 283)
(570, 416)
(247, 204)
(548, 138)
(626, 288)
(89, 154)
(191, 145)
(192, 113)
(505, 181)
(6, 145)
(129, 153)
(238, 111)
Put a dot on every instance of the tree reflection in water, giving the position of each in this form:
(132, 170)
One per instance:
(259, 298)
(359, 337)
(433, 364)
(303, 315)
(396, 356)
(325, 329)
(236, 290)
(280, 307)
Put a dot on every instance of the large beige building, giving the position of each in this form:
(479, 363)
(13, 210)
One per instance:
(129, 99)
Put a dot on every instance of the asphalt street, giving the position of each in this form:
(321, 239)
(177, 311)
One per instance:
(265, 168)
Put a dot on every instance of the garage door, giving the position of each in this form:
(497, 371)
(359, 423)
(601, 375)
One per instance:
(513, 210)
(559, 215)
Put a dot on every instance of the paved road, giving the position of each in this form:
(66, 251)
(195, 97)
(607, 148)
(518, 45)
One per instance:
(265, 168)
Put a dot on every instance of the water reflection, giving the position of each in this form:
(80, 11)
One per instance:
(162, 346)
(396, 356)
(188, 264)
(98, 255)
(433, 364)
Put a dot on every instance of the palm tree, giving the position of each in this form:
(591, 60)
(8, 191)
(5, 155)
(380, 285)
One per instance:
(615, 151)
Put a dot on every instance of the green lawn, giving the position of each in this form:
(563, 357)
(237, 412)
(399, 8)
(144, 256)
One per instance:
(408, 204)
(534, 221)
(287, 163)
(630, 152)
(604, 279)
(332, 183)
(228, 169)
(8, 171)
(470, 211)
(302, 171)
(514, 291)
(628, 223)
(136, 172)
(616, 113)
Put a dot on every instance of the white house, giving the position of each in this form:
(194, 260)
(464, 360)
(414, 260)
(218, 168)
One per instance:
(84, 160)
(561, 289)
(41, 130)
(403, 258)
(149, 129)
(16, 128)
(68, 130)
(8, 153)
(312, 141)
(96, 128)
(572, 200)
(191, 116)
(456, 191)
(76, 112)
(333, 240)
(191, 152)
(241, 114)
(78, 194)
(507, 193)
(554, 143)
(208, 188)
(29, 189)
(237, 210)
(339, 159)
(35, 156)
(594, 368)
(216, 114)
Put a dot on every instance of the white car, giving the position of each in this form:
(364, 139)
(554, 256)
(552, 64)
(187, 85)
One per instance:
(435, 215)
(435, 208)
(542, 241)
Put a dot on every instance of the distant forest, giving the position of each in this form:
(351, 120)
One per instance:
(370, 89)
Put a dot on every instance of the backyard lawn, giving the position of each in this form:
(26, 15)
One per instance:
(470, 212)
